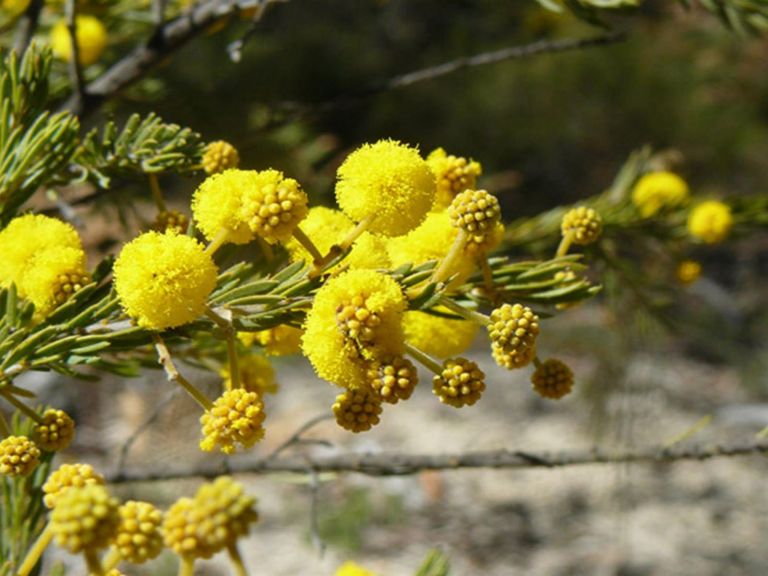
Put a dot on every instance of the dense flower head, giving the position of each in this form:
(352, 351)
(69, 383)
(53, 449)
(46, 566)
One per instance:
(163, 280)
(171, 221)
(688, 271)
(355, 317)
(357, 410)
(67, 476)
(352, 569)
(388, 182)
(461, 383)
(214, 519)
(58, 273)
(139, 537)
(274, 205)
(552, 379)
(19, 456)
(91, 38)
(393, 378)
(453, 175)
(220, 156)
(218, 204)
(710, 221)
(85, 518)
(480, 244)
(475, 211)
(281, 340)
(56, 431)
(432, 240)
(256, 374)
(585, 225)
(658, 190)
(14, 7)
(438, 336)
(236, 417)
(326, 227)
(513, 330)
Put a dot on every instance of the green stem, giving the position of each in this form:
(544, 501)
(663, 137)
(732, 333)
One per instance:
(355, 233)
(187, 566)
(536, 361)
(230, 335)
(266, 249)
(465, 313)
(456, 251)
(490, 287)
(19, 405)
(221, 237)
(237, 560)
(157, 194)
(173, 374)
(92, 561)
(34, 554)
(111, 560)
(309, 246)
(565, 243)
(5, 430)
(424, 359)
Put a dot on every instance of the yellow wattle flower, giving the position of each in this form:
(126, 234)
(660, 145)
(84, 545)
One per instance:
(453, 175)
(218, 204)
(688, 271)
(282, 340)
(658, 190)
(355, 317)
(387, 182)
(438, 336)
(256, 374)
(349, 568)
(91, 39)
(326, 227)
(163, 280)
(710, 221)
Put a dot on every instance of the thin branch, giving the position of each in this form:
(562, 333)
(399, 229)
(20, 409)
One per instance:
(314, 505)
(28, 26)
(296, 438)
(396, 464)
(75, 69)
(235, 49)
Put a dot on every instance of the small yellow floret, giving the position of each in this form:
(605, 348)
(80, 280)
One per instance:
(163, 280)
(513, 331)
(282, 340)
(355, 317)
(437, 336)
(688, 271)
(139, 537)
(256, 374)
(552, 379)
(236, 417)
(326, 227)
(19, 456)
(585, 224)
(453, 175)
(388, 182)
(710, 221)
(658, 190)
(170, 221)
(91, 39)
(461, 383)
(85, 519)
(214, 519)
(352, 569)
(66, 477)
(220, 156)
(56, 432)
(357, 410)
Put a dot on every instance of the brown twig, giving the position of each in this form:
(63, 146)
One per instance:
(75, 69)
(396, 464)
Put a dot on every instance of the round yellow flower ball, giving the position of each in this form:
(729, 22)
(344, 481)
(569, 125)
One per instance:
(91, 39)
(710, 221)
(217, 205)
(658, 190)
(388, 182)
(438, 336)
(163, 280)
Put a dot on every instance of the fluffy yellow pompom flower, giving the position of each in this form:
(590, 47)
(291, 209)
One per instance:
(710, 221)
(352, 569)
(355, 317)
(217, 205)
(438, 336)
(256, 374)
(91, 39)
(326, 227)
(282, 340)
(453, 175)
(57, 273)
(163, 280)
(387, 182)
(432, 240)
(220, 156)
(658, 190)
(14, 7)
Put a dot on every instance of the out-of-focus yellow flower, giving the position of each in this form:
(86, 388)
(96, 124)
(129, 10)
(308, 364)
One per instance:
(220, 156)
(387, 182)
(350, 568)
(282, 340)
(711, 221)
(453, 175)
(688, 271)
(163, 280)
(437, 336)
(658, 190)
(256, 374)
(14, 7)
(91, 39)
